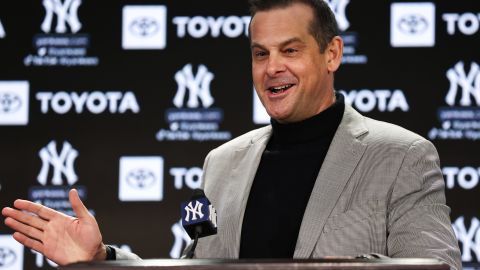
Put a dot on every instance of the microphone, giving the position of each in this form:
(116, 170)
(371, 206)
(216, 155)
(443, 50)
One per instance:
(199, 218)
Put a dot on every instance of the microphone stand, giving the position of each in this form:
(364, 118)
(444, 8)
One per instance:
(191, 252)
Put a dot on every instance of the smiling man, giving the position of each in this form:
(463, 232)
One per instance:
(321, 180)
(292, 66)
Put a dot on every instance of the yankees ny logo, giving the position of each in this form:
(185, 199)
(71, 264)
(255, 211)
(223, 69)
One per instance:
(338, 7)
(66, 13)
(467, 237)
(62, 164)
(194, 211)
(181, 239)
(2, 31)
(470, 84)
(198, 86)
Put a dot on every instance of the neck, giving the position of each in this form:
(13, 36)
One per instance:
(329, 101)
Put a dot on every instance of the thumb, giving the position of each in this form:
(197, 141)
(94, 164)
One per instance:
(77, 205)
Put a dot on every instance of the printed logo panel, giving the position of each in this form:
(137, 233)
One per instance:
(97, 102)
(56, 177)
(412, 24)
(11, 253)
(468, 235)
(339, 9)
(193, 117)
(460, 119)
(461, 177)
(382, 100)
(189, 177)
(200, 27)
(141, 178)
(351, 54)
(465, 23)
(66, 14)
(61, 43)
(144, 27)
(14, 102)
(61, 163)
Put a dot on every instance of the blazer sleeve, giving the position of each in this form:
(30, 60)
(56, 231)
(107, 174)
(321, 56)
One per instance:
(121, 254)
(418, 217)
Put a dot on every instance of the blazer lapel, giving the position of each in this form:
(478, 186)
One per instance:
(342, 157)
(246, 163)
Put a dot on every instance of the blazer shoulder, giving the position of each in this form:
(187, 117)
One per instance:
(244, 141)
(384, 132)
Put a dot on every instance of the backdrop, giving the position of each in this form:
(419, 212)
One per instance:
(124, 99)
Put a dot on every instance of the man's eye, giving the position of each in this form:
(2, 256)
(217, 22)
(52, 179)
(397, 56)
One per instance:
(290, 50)
(260, 54)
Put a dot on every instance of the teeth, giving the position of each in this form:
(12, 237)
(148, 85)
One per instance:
(278, 88)
(281, 88)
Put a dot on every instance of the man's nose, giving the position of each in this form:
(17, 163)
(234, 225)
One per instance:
(275, 65)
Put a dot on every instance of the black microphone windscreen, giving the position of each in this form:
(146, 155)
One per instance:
(197, 193)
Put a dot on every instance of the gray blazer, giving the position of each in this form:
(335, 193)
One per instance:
(379, 190)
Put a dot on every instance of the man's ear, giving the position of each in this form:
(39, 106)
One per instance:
(334, 53)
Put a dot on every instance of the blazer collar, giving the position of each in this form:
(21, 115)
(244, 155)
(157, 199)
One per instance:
(247, 159)
(342, 157)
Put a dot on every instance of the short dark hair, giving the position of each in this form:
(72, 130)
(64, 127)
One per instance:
(323, 26)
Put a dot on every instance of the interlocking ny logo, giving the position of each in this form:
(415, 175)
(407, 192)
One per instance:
(198, 87)
(338, 7)
(470, 84)
(470, 238)
(66, 13)
(194, 211)
(62, 163)
(181, 239)
(2, 31)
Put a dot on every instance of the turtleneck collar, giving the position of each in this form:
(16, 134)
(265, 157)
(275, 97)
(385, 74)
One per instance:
(320, 126)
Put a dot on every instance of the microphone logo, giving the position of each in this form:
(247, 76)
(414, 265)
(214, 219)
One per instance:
(199, 219)
(194, 211)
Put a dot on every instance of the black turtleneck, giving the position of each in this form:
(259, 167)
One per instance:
(283, 183)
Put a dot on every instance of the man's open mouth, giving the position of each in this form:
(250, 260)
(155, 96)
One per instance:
(280, 89)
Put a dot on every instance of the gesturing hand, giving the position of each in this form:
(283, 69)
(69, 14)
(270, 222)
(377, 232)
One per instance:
(61, 238)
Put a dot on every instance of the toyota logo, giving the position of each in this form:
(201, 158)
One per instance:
(7, 257)
(144, 26)
(413, 24)
(9, 103)
(141, 178)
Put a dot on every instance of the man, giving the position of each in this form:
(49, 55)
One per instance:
(321, 180)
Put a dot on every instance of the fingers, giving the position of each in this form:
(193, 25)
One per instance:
(24, 229)
(38, 209)
(23, 217)
(28, 242)
(77, 205)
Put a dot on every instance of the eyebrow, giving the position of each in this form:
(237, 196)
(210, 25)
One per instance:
(282, 44)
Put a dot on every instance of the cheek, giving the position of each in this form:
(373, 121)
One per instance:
(256, 70)
(299, 69)
(310, 74)
(257, 75)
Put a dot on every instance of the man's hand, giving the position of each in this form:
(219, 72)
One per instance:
(61, 238)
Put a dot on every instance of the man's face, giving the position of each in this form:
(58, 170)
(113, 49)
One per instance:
(290, 74)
